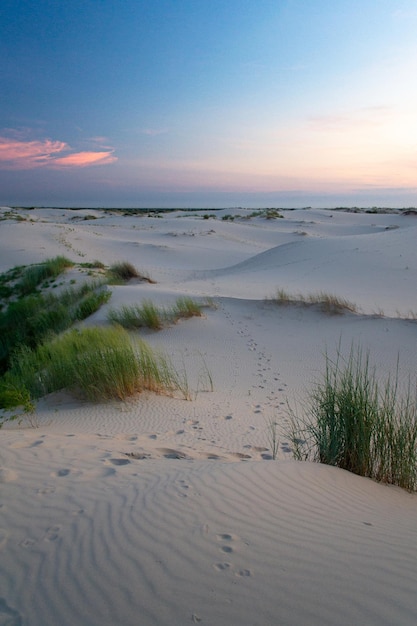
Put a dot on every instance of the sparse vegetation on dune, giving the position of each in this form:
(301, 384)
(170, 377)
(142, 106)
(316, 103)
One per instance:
(327, 302)
(39, 274)
(26, 280)
(125, 271)
(37, 357)
(356, 423)
(144, 315)
(268, 214)
(147, 315)
(186, 307)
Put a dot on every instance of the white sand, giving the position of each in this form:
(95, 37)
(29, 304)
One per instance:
(160, 511)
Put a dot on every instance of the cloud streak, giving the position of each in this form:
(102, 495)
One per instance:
(17, 154)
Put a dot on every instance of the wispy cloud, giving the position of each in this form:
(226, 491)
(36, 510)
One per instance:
(83, 159)
(19, 154)
(366, 116)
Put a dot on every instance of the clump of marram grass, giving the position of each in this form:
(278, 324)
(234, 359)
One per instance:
(327, 302)
(357, 424)
(30, 320)
(102, 363)
(36, 275)
(148, 315)
(145, 315)
(331, 303)
(186, 307)
(125, 271)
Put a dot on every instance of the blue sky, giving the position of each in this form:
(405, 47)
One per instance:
(208, 102)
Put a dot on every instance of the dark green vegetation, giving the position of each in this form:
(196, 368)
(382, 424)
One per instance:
(41, 275)
(357, 424)
(33, 318)
(38, 357)
(23, 281)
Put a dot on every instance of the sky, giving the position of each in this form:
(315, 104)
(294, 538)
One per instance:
(208, 103)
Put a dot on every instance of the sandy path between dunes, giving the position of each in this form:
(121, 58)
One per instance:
(160, 511)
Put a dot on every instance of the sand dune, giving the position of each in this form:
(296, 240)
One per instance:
(164, 511)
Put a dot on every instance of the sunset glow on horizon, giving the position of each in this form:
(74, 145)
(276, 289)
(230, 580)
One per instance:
(185, 103)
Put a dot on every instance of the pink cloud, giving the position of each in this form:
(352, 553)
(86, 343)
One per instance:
(17, 154)
(84, 159)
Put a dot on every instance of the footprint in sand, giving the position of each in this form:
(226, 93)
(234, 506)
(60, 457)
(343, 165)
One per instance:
(34, 444)
(243, 572)
(27, 543)
(227, 543)
(119, 462)
(170, 453)
(221, 567)
(61, 473)
(52, 533)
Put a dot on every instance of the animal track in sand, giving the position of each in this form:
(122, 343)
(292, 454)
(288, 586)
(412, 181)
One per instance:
(52, 533)
(227, 542)
(61, 473)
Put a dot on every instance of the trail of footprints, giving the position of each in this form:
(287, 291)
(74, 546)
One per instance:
(267, 379)
(228, 544)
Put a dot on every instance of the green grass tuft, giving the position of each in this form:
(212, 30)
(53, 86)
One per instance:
(102, 363)
(36, 275)
(327, 302)
(124, 271)
(186, 307)
(357, 424)
(148, 315)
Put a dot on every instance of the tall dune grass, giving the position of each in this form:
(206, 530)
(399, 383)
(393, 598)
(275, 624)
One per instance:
(102, 363)
(327, 302)
(123, 271)
(148, 315)
(356, 423)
